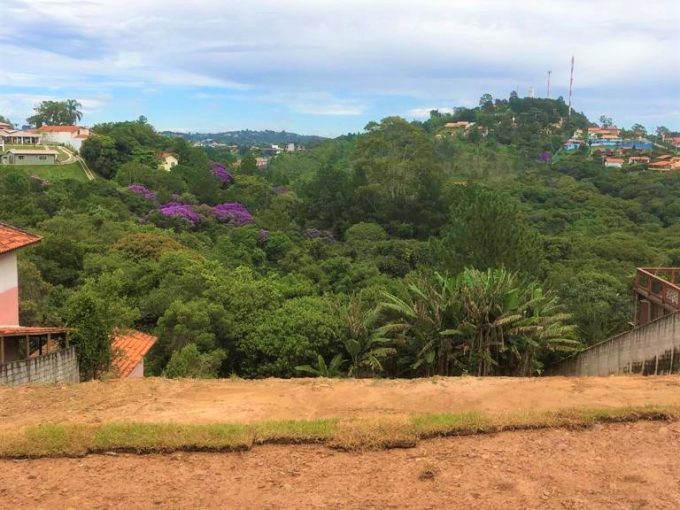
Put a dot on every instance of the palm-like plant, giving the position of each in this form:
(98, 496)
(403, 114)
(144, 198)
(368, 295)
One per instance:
(426, 324)
(73, 108)
(365, 344)
(322, 369)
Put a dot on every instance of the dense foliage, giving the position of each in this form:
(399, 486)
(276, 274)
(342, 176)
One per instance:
(395, 252)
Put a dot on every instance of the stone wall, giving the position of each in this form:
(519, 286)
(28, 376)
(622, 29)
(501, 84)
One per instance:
(653, 349)
(54, 368)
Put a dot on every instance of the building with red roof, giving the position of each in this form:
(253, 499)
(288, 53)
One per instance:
(72, 136)
(18, 342)
(129, 349)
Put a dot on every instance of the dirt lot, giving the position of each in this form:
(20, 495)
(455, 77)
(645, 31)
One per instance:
(240, 401)
(626, 466)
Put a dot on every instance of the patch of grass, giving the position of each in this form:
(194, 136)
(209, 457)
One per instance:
(167, 437)
(375, 434)
(52, 172)
(52, 440)
(48, 440)
(295, 431)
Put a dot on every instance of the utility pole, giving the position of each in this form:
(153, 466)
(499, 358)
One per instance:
(548, 93)
(571, 82)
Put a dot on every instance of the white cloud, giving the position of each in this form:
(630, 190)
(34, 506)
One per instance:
(425, 112)
(431, 51)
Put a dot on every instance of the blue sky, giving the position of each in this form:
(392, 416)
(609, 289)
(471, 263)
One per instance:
(329, 66)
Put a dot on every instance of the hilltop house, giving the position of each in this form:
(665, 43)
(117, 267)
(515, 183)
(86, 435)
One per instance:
(11, 136)
(67, 135)
(25, 355)
(29, 157)
(637, 160)
(613, 162)
(168, 160)
(129, 349)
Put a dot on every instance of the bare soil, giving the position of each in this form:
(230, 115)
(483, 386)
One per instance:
(241, 401)
(623, 466)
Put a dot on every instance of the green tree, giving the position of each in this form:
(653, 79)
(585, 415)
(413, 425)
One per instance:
(190, 362)
(487, 229)
(56, 113)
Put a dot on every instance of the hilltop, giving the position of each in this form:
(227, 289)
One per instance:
(248, 138)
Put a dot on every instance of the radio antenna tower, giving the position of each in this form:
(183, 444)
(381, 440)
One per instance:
(571, 83)
(548, 94)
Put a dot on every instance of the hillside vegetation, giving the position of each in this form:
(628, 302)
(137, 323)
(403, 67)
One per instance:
(406, 250)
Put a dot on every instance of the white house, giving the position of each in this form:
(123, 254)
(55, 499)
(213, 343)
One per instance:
(72, 136)
(168, 160)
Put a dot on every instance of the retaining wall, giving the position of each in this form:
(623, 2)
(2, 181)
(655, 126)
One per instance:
(54, 368)
(653, 349)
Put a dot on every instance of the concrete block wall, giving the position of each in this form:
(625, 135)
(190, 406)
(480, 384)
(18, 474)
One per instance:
(55, 368)
(653, 349)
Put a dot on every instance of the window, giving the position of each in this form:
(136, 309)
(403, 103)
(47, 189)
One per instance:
(42, 157)
(20, 157)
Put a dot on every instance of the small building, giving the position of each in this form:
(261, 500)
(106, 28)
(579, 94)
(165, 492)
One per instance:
(262, 163)
(168, 160)
(28, 354)
(129, 349)
(19, 137)
(72, 136)
(639, 160)
(29, 157)
(613, 162)
(571, 145)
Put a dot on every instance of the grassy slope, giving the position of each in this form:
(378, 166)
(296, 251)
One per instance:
(54, 172)
(54, 440)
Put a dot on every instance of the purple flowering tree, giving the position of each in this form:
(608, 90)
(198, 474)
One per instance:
(140, 189)
(180, 210)
(222, 174)
(232, 212)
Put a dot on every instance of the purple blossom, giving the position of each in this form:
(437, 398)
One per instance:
(180, 210)
(140, 189)
(544, 156)
(232, 212)
(222, 174)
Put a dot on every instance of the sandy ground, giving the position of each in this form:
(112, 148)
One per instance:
(241, 401)
(625, 466)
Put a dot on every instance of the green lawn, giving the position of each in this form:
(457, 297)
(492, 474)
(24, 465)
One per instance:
(51, 172)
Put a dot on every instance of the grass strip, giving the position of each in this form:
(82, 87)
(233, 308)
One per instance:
(380, 432)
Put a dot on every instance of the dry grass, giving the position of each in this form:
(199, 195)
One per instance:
(54, 440)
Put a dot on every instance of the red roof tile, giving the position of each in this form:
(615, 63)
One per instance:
(58, 129)
(129, 348)
(12, 238)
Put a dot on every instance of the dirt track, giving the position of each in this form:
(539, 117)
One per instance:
(239, 401)
(630, 466)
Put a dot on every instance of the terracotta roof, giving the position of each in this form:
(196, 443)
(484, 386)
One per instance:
(29, 330)
(661, 163)
(614, 160)
(58, 129)
(12, 238)
(130, 347)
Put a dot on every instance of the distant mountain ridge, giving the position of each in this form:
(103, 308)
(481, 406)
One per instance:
(249, 137)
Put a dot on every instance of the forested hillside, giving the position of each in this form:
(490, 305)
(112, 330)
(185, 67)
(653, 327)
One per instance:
(405, 250)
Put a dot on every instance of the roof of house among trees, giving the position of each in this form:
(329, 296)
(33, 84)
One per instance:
(12, 238)
(129, 348)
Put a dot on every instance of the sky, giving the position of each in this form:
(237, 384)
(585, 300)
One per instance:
(329, 67)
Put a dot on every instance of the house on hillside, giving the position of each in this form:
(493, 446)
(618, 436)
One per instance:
(638, 160)
(72, 136)
(29, 157)
(28, 354)
(10, 136)
(613, 162)
(571, 145)
(129, 349)
(168, 160)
